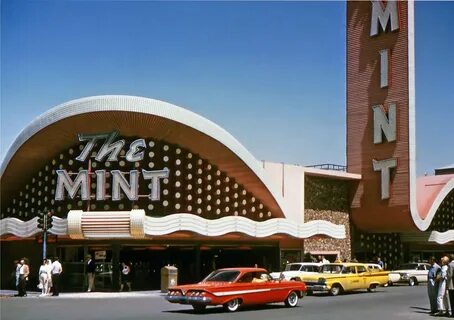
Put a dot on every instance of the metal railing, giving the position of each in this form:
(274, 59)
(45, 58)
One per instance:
(329, 166)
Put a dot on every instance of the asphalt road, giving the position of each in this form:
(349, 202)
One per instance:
(398, 302)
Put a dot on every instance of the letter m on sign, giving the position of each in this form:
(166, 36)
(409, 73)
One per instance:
(383, 13)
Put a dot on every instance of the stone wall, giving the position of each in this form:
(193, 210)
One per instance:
(326, 243)
(328, 199)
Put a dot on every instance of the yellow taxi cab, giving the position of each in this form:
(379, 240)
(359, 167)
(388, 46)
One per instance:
(335, 278)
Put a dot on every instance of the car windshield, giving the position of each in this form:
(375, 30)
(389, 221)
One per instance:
(292, 267)
(331, 268)
(222, 276)
(410, 266)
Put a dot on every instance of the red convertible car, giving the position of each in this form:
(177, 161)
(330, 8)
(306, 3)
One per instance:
(234, 287)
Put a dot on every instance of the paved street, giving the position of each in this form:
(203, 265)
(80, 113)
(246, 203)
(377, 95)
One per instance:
(401, 302)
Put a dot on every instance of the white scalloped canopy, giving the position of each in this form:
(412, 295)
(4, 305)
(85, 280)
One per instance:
(57, 130)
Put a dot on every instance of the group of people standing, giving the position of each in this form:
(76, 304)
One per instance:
(22, 272)
(48, 275)
(125, 275)
(440, 286)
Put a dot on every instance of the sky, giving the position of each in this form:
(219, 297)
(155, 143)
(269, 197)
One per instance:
(270, 73)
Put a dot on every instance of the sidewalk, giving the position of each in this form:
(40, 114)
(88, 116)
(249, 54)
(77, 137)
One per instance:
(86, 295)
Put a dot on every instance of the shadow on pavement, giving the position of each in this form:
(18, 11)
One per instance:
(216, 310)
(420, 310)
(348, 293)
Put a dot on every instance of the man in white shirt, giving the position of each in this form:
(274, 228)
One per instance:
(56, 271)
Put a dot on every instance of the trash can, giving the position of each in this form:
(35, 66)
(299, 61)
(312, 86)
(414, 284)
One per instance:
(169, 277)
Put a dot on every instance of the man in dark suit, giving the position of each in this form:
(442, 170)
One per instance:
(90, 268)
(450, 284)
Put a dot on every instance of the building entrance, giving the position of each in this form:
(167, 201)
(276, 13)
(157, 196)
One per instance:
(193, 263)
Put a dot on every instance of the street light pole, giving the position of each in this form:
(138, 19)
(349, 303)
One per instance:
(45, 237)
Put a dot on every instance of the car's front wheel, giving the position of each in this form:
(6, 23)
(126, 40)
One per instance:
(412, 282)
(291, 300)
(335, 290)
(372, 288)
(232, 305)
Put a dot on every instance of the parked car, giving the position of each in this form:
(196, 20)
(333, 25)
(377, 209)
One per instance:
(294, 270)
(234, 287)
(335, 278)
(411, 273)
(374, 267)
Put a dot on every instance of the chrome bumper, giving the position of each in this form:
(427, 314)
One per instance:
(188, 300)
(317, 288)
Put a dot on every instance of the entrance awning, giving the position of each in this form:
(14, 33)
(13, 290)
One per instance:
(82, 225)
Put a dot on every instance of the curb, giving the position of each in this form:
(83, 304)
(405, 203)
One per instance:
(86, 295)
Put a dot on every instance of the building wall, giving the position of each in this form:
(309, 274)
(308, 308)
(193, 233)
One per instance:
(194, 185)
(315, 245)
(328, 199)
(387, 246)
(289, 180)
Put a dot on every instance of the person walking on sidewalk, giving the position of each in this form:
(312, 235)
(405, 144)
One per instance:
(57, 269)
(90, 267)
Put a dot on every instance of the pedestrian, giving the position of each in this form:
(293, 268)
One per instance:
(17, 265)
(90, 268)
(44, 274)
(380, 263)
(125, 276)
(432, 284)
(324, 260)
(24, 271)
(49, 278)
(442, 297)
(450, 284)
(57, 269)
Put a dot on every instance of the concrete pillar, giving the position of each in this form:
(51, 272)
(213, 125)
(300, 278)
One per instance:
(115, 266)
(198, 266)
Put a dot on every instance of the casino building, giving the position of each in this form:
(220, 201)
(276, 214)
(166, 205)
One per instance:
(136, 179)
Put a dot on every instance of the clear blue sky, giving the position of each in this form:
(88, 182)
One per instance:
(272, 74)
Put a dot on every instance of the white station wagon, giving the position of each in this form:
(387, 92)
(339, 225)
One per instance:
(294, 270)
(411, 273)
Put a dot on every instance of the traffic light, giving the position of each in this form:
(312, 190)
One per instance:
(49, 220)
(45, 221)
(41, 224)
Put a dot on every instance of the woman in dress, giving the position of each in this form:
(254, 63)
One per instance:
(44, 277)
(442, 298)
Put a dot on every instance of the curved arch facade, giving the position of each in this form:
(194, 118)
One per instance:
(210, 175)
(135, 116)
